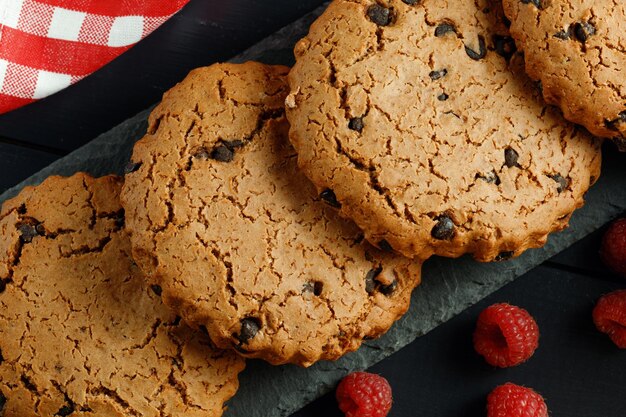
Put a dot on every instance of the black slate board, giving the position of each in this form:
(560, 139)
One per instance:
(450, 286)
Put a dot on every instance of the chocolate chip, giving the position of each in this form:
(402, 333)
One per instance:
(389, 289)
(411, 2)
(233, 144)
(29, 230)
(435, 75)
(503, 256)
(370, 280)
(584, 31)
(384, 245)
(536, 3)
(249, 328)
(132, 167)
(314, 287)
(444, 229)
(564, 34)
(482, 50)
(613, 124)
(442, 97)
(563, 182)
(491, 178)
(510, 158)
(505, 46)
(3, 401)
(65, 411)
(356, 123)
(21, 209)
(157, 289)
(330, 198)
(443, 29)
(379, 14)
(221, 153)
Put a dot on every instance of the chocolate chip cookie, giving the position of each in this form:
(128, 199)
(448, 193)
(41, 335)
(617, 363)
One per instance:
(420, 120)
(577, 49)
(239, 241)
(81, 332)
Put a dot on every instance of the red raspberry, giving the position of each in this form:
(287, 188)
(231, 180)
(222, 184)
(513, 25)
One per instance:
(613, 249)
(609, 315)
(510, 400)
(362, 394)
(506, 335)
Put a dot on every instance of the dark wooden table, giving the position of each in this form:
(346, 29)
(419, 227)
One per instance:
(577, 369)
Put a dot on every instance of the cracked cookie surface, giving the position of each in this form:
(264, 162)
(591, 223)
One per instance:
(577, 48)
(81, 332)
(418, 116)
(239, 240)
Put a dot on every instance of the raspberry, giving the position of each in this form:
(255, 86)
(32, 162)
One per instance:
(362, 394)
(506, 335)
(609, 315)
(510, 400)
(613, 249)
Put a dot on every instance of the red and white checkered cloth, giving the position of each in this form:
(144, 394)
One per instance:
(47, 45)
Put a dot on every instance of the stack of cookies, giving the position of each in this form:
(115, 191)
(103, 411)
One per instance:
(285, 214)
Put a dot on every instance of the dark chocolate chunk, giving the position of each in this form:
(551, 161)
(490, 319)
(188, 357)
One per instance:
(584, 31)
(536, 3)
(443, 29)
(65, 411)
(491, 178)
(384, 245)
(314, 287)
(563, 182)
(503, 256)
(564, 34)
(356, 123)
(330, 198)
(505, 46)
(132, 167)
(482, 52)
(370, 280)
(444, 229)
(435, 75)
(379, 14)
(249, 328)
(442, 97)
(613, 124)
(29, 230)
(389, 289)
(221, 153)
(510, 158)
(157, 289)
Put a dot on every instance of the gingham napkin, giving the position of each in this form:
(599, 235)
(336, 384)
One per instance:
(47, 45)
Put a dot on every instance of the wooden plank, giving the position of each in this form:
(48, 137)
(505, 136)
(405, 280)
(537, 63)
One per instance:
(19, 163)
(204, 32)
(576, 368)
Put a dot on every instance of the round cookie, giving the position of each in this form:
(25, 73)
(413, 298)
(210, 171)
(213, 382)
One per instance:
(576, 48)
(81, 332)
(418, 116)
(239, 240)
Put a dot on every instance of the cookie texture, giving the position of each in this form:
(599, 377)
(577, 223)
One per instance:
(81, 332)
(577, 49)
(239, 240)
(419, 118)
